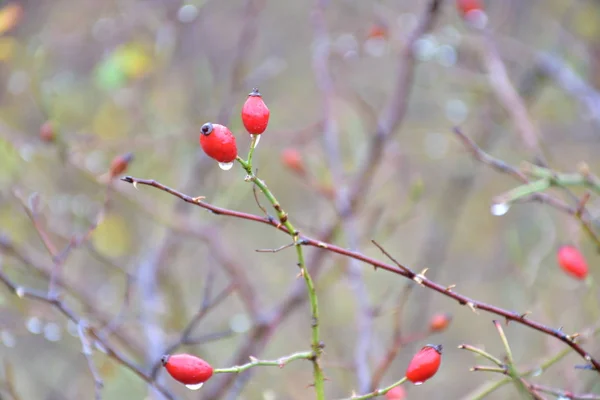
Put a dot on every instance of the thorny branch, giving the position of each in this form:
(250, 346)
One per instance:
(420, 278)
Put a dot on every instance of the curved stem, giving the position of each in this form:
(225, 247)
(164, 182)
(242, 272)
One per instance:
(316, 344)
(378, 392)
(280, 362)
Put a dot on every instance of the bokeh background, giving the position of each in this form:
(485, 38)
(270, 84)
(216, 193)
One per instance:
(141, 76)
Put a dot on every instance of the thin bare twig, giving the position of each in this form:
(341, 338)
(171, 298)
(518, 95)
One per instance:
(58, 304)
(184, 337)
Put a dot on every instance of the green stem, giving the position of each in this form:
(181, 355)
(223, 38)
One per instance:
(524, 190)
(316, 345)
(280, 362)
(378, 392)
(485, 368)
(510, 369)
(482, 353)
(251, 152)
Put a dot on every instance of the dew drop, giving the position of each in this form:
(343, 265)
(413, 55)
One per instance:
(499, 209)
(8, 339)
(256, 139)
(20, 291)
(194, 387)
(52, 332)
(34, 325)
(225, 166)
(537, 372)
(418, 383)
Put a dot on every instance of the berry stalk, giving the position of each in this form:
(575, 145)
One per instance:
(254, 362)
(316, 344)
(378, 392)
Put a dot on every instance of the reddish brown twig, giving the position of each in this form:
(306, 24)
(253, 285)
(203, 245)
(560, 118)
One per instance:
(420, 278)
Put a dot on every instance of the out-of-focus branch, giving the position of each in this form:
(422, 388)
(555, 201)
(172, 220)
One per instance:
(577, 211)
(322, 72)
(184, 338)
(509, 97)
(558, 71)
(63, 308)
(393, 114)
(399, 269)
(9, 248)
(564, 394)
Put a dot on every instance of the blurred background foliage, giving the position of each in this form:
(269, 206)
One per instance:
(143, 75)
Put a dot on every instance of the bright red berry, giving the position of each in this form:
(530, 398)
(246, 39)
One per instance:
(424, 364)
(255, 113)
(292, 159)
(218, 142)
(187, 369)
(466, 6)
(397, 393)
(119, 164)
(439, 322)
(47, 132)
(572, 262)
(377, 31)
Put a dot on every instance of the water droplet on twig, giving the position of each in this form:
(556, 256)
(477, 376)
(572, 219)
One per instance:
(499, 209)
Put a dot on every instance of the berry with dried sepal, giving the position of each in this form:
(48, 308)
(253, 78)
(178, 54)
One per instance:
(218, 142)
(424, 364)
(572, 262)
(440, 322)
(292, 159)
(397, 393)
(255, 113)
(47, 132)
(119, 164)
(187, 369)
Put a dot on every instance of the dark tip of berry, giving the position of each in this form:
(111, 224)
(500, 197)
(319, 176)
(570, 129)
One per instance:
(255, 93)
(206, 129)
(164, 359)
(128, 157)
(436, 347)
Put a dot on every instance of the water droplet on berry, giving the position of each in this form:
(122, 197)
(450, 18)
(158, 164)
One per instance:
(418, 383)
(194, 387)
(225, 166)
(256, 139)
(499, 209)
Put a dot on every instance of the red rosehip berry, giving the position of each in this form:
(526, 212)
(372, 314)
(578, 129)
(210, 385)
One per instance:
(119, 164)
(440, 322)
(466, 6)
(397, 393)
(572, 262)
(187, 369)
(218, 142)
(424, 364)
(377, 31)
(47, 132)
(292, 159)
(255, 113)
